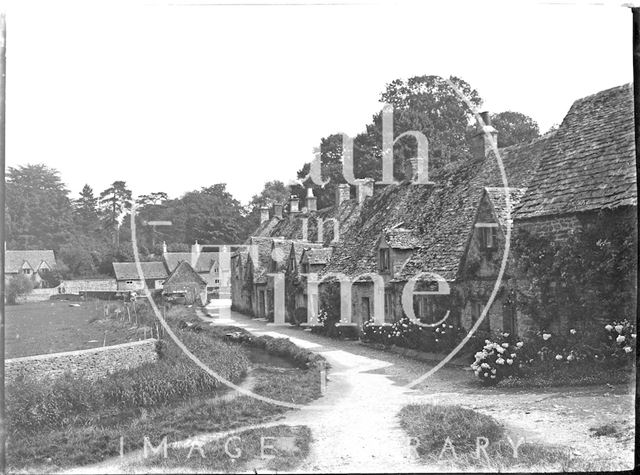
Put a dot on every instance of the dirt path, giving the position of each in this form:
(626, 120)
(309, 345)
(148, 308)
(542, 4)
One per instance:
(356, 429)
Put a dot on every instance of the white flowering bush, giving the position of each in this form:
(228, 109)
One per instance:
(498, 359)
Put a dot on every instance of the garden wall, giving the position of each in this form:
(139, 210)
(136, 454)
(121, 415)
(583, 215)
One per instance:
(94, 362)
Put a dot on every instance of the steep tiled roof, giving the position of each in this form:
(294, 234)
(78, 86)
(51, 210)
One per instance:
(183, 274)
(263, 258)
(204, 260)
(129, 271)
(498, 199)
(300, 246)
(13, 259)
(440, 215)
(318, 256)
(402, 238)
(590, 162)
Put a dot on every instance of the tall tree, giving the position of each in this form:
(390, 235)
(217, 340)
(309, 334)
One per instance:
(114, 201)
(514, 128)
(38, 209)
(86, 210)
(273, 192)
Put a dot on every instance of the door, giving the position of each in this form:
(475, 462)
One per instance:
(365, 309)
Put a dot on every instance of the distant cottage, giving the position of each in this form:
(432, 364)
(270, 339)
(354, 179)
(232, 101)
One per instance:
(30, 263)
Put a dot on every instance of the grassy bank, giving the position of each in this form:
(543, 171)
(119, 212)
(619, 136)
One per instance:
(448, 436)
(577, 375)
(76, 422)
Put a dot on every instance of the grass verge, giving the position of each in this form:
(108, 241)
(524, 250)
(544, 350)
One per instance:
(449, 436)
(577, 375)
(275, 449)
(91, 431)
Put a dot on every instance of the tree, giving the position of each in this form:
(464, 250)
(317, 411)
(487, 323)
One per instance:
(18, 286)
(514, 128)
(273, 192)
(114, 201)
(426, 104)
(152, 199)
(86, 210)
(38, 209)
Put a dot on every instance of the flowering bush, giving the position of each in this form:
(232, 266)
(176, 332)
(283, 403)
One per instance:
(497, 359)
(408, 334)
(544, 353)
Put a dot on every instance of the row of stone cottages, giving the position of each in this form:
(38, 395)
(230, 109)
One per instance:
(455, 227)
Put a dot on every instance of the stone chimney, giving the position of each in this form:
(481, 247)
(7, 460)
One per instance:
(481, 140)
(411, 168)
(312, 204)
(164, 247)
(343, 193)
(364, 188)
(294, 204)
(277, 210)
(195, 249)
(264, 214)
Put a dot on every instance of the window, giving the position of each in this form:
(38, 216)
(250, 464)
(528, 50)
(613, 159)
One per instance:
(385, 260)
(488, 235)
(26, 271)
(365, 307)
(217, 281)
(426, 311)
(129, 282)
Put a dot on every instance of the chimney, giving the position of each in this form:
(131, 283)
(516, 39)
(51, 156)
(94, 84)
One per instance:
(481, 144)
(264, 214)
(343, 193)
(164, 247)
(411, 168)
(195, 249)
(277, 210)
(294, 204)
(311, 201)
(364, 189)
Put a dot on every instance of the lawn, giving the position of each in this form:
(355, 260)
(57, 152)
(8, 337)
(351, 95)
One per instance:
(54, 326)
(79, 422)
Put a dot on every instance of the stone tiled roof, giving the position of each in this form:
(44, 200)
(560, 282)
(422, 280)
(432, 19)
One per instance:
(401, 238)
(263, 258)
(129, 271)
(204, 260)
(14, 259)
(183, 274)
(318, 256)
(589, 164)
(300, 246)
(498, 199)
(439, 216)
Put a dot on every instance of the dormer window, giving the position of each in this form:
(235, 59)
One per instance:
(385, 259)
(488, 235)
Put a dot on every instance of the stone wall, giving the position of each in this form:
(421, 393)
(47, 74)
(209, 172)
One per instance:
(87, 285)
(94, 362)
(556, 226)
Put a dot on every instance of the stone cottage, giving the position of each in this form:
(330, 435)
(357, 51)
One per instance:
(30, 263)
(185, 285)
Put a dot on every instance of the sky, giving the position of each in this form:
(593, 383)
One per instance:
(174, 96)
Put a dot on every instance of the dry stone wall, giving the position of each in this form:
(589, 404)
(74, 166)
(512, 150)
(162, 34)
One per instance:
(93, 363)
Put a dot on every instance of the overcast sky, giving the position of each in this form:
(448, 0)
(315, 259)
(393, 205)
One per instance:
(172, 97)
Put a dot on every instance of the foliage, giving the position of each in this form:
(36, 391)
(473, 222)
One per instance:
(408, 334)
(514, 128)
(588, 278)
(38, 209)
(426, 104)
(498, 359)
(17, 286)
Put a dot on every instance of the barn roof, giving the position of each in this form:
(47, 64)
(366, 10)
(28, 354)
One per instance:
(589, 164)
(129, 271)
(14, 259)
(204, 261)
(183, 274)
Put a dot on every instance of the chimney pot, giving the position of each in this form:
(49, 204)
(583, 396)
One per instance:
(364, 189)
(164, 247)
(294, 204)
(343, 193)
(481, 141)
(277, 210)
(312, 204)
(264, 214)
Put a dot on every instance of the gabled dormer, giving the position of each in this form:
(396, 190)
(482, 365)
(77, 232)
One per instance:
(394, 247)
(488, 235)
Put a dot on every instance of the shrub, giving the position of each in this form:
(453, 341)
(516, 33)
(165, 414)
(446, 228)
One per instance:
(497, 359)
(18, 286)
